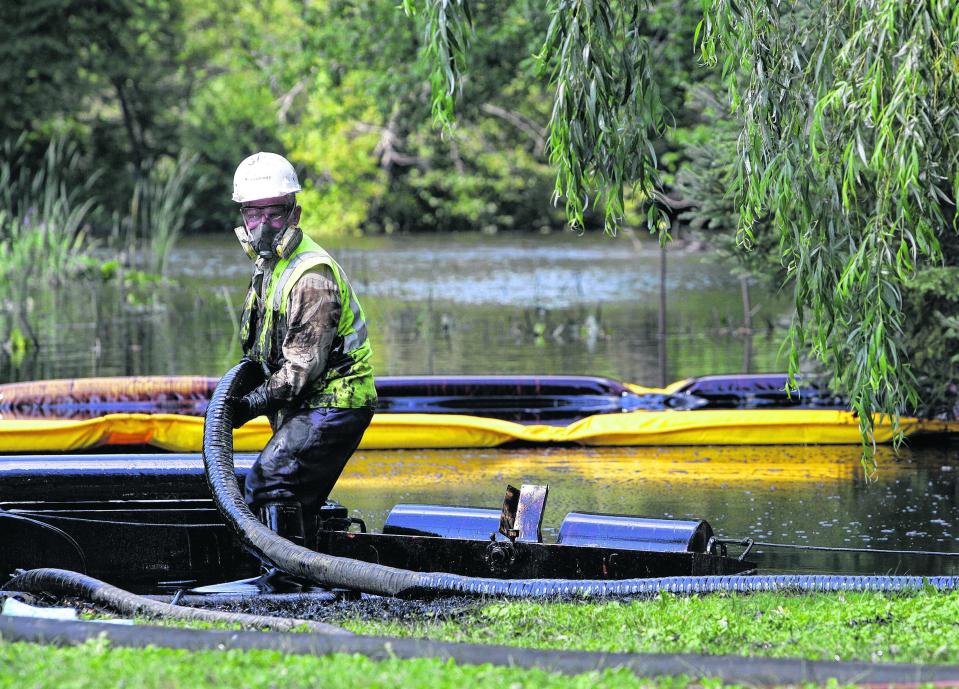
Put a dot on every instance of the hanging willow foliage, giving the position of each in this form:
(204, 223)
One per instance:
(606, 110)
(849, 151)
(850, 145)
(448, 27)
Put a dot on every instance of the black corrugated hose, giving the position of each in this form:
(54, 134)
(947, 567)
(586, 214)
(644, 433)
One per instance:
(339, 572)
(65, 583)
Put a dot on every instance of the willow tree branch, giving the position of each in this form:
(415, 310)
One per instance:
(523, 123)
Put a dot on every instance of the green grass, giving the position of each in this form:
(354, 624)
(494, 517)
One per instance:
(97, 665)
(921, 627)
(177, 624)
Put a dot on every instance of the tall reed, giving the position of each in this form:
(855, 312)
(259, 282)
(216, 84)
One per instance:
(159, 208)
(42, 213)
(43, 209)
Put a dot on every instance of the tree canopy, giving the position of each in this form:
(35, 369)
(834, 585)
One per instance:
(817, 138)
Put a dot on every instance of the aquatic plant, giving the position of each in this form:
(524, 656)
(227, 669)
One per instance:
(158, 211)
(43, 212)
(42, 227)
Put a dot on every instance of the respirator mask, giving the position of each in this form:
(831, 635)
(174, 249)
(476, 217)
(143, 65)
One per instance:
(266, 233)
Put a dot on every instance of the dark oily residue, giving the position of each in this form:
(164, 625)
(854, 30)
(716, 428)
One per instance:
(366, 608)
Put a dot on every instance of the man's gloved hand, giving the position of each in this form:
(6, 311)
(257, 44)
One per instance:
(250, 406)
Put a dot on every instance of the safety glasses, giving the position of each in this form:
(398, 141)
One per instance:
(276, 216)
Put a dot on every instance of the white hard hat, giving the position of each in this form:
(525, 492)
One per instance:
(264, 176)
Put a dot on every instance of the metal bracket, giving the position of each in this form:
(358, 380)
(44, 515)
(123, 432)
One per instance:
(507, 517)
(522, 515)
(723, 542)
(716, 546)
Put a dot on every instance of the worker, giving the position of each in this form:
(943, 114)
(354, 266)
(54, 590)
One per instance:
(303, 324)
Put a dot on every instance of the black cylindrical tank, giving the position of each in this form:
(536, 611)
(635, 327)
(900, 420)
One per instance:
(635, 533)
(439, 520)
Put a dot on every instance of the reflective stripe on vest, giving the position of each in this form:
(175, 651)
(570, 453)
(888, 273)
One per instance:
(357, 337)
(246, 319)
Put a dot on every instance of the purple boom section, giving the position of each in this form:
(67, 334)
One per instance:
(552, 399)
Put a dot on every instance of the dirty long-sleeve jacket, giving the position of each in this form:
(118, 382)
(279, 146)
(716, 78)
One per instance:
(313, 312)
(310, 336)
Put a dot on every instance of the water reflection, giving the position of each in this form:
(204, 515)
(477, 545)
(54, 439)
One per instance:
(775, 494)
(563, 305)
(435, 305)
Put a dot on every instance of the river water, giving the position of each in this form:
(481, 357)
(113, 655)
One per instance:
(558, 304)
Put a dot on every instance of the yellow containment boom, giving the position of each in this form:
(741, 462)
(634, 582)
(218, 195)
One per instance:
(412, 431)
